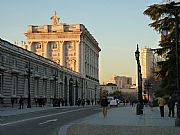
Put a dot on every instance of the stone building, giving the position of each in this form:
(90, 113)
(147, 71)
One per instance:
(109, 88)
(147, 62)
(24, 73)
(69, 45)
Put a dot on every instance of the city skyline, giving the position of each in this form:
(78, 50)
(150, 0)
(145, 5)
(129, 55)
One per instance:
(110, 23)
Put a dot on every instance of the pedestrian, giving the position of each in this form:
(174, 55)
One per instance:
(12, 102)
(79, 102)
(36, 101)
(161, 103)
(171, 105)
(104, 105)
(65, 101)
(21, 103)
(92, 101)
(83, 102)
(62, 101)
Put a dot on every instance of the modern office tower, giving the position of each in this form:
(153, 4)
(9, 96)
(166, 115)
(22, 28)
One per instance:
(146, 61)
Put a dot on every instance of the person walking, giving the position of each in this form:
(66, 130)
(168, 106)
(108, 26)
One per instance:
(161, 103)
(104, 105)
(171, 105)
(21, 103)
(83, 102)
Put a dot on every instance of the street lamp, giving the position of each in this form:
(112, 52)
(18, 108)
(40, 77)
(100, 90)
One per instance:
(29, 72)
(139, 109)
(174, 9)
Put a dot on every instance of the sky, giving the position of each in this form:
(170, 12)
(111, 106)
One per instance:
(117, 25)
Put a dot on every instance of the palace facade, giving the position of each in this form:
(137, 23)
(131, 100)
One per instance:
(69, 45)
(55, 64)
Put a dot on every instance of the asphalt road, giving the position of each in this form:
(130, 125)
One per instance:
(45, 122)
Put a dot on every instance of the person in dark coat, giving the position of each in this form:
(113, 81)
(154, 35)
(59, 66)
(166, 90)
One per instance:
(21, 103)
(83, 102)
(104, 105)
(171, 106)
(12, 102)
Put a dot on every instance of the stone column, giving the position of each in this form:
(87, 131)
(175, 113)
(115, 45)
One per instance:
(78, 52)
(82, 58)
(29, 47)
(45, 48)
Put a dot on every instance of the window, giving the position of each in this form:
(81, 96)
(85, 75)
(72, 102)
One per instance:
(14, 85)
(38, 46)
(70, 46)
(45, 71)
(14, 63)
(54, 46)
(36, 68)
(1, 84)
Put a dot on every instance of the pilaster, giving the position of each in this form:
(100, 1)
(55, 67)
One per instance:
(62, 53)
(45, 47)
(29, 47)
(78, 52)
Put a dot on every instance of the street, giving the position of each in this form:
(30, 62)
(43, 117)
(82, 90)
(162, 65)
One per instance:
(43, 123)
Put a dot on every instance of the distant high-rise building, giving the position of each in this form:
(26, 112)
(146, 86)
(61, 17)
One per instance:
(123, 81)
(146, 61)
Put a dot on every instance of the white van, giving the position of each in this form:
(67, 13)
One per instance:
(112, 101)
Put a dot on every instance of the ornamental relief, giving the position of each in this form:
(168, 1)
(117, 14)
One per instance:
(70, 49)
(71, 64)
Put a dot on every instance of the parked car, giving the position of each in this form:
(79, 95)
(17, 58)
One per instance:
(113, 103)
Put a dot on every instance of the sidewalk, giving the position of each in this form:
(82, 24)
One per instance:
(124, 121)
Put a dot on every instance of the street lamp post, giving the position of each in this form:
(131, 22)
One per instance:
(139, 109)
(29, 72)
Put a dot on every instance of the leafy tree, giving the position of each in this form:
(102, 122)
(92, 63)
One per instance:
(116, 94)
(163, 16)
